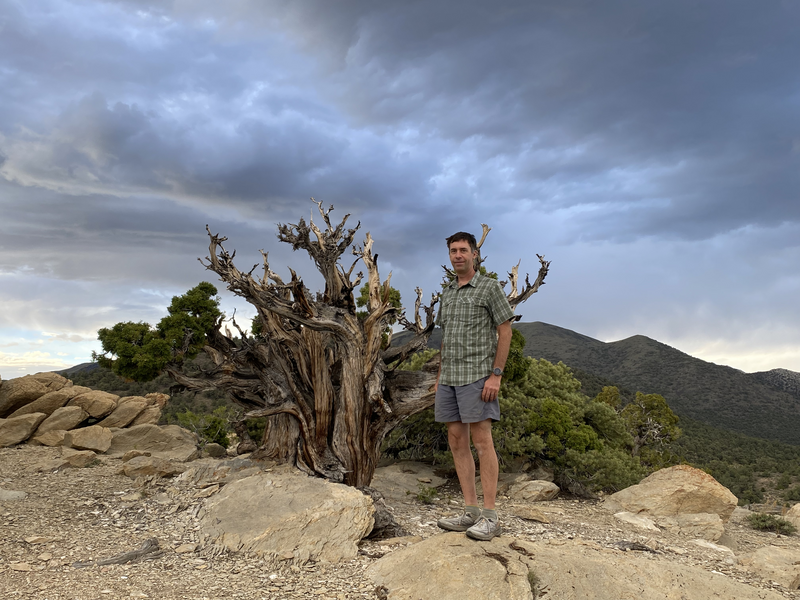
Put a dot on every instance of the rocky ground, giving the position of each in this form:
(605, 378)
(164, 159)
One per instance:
(83, 515)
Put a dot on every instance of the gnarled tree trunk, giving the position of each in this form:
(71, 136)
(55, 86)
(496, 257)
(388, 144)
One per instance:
(316, 369)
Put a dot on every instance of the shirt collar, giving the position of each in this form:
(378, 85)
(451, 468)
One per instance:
(471, 282)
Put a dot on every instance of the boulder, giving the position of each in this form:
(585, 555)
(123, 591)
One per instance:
(287, 515)
(402, 481)
(93, 437)
(98, 404)
(65, 418)
(69, 458)
(584, 570)
(143, 466)
(149, 416)
(50, 401)
(170, 442)
(452, 567)
(51, 438)
(793, 516)
(215, 450)
(776, 563)
(707, 526)
(504, 482)
(676, 490)
(158, 398)
(533, 491)
(17, 430)
(637, 521)
(52, 381)
(18, 392)
(125, 412)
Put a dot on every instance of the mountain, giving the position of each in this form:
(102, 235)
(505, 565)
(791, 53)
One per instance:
(764, 405)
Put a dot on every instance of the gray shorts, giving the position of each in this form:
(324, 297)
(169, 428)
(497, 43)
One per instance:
(463, 403)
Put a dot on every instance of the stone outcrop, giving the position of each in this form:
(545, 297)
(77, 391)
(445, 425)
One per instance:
(170, 442)
(127, 410)
(793, 516)
(676, 490)
(98, 404)
(94, 438)
(66, 417)
(18, 429)
(776, 563)
(51, 401)
(287, 515)
(452, 567)
(18, 392)
(143, 466)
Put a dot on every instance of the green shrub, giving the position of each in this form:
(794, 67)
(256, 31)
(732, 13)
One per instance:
(211, 428)
(792, 494)
(766, 522)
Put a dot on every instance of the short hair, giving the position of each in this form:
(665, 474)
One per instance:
(463, 236)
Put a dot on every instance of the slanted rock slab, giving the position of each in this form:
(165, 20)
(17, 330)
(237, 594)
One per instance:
(287, 514)
(151, 465)
(401, 481)
(128, 409)
(451, 566)
(98, 404)
(65, 418)
(676, 490)
(170, 442)
(93, 437)
(703, 525)
(18, 392)
(18, 429)
(775, 563)
(580, 570)
(49, 402)
(51, 438)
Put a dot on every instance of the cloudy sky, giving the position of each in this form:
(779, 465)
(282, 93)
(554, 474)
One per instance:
(651, 150)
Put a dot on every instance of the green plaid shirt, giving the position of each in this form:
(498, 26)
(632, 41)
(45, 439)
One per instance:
(469, 316)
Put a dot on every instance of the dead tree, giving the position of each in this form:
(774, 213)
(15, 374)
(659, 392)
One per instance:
(331, 392)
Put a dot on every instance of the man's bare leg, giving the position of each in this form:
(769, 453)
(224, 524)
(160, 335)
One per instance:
(484, 444)
(458, 435)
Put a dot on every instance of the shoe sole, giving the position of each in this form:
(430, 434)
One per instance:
(484, 538)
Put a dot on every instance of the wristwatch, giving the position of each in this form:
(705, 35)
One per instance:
(497, 371)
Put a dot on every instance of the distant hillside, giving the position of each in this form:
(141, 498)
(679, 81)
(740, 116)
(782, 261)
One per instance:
(762, 405)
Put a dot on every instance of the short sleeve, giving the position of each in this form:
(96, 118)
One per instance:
(497, 303)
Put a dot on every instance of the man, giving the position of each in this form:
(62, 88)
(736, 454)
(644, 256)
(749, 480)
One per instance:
(475, 318)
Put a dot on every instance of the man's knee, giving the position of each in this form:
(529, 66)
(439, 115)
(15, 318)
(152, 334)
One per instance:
(458, 436)
(482, 437)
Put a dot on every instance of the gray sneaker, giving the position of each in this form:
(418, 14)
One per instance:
(485, 529)
(460, 523)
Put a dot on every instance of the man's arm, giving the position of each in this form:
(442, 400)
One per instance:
(492, 386)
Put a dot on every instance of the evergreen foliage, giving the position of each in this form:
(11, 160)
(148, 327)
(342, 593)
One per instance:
(766, 522)
(140, 351)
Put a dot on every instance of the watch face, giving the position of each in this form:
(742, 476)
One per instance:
(497, 371)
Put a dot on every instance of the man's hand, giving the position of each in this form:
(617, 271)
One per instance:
(491, 388)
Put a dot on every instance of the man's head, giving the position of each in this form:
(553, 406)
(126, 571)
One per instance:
(463, 250)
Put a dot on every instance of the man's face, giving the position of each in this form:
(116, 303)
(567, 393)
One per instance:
(462, 257)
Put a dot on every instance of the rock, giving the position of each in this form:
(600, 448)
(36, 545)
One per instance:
(18, 429)
(676, 490)
(78, 458)
(286, 514)
(158, 398)
(712, 546)
(93, 437)
(215, 450)
(51, 438)
(504, 482)
(793, 516)
(18, 392)
(150, 465)
(149, 416)
(452, 567)
(98, 404)
(11, 495)
(170, 442)
(528, 513)
(50, 401)
(52, 381)
(703, 525)
(772, 562)
(65, 418)
(402, 481)
(133, 454)
(125, 412)
(533, 491)
(186, 548)
(584, 570)
(227, 471)
(637, 521)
